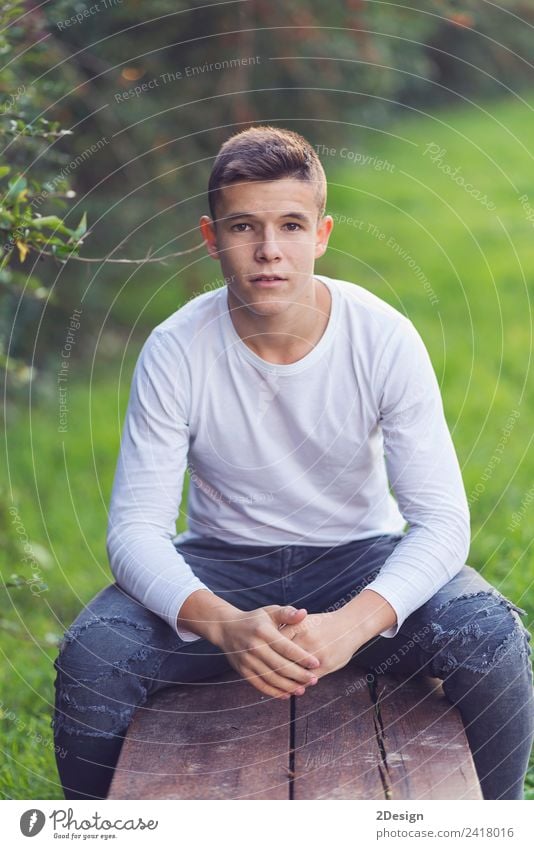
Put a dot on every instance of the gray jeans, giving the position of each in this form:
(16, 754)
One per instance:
(117, 653)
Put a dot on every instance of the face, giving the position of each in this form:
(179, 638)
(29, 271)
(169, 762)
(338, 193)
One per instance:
(267, 238)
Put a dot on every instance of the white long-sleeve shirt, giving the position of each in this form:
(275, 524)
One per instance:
(296, 454)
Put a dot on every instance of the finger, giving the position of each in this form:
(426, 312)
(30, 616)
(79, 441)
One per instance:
(294, 688)
(289, 615)
(264, 687)
(292, 651)
(274, 679)
(284, 668)
(291, 631)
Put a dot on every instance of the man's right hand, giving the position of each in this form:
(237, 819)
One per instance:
(258, 650)
(253, 642)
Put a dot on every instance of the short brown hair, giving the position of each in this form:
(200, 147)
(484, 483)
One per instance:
(266, 153)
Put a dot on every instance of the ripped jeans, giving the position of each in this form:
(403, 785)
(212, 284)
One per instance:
(117, 653)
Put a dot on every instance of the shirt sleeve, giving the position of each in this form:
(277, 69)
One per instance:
(148, 484)
(425, 476)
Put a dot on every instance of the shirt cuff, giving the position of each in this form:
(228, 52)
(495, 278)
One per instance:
(187, 636)
(184, 634)
(391, 632)
(381, 587)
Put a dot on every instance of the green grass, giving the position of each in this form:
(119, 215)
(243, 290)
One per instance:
(477, 263)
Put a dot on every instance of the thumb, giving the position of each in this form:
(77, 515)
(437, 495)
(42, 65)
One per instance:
(290, 615)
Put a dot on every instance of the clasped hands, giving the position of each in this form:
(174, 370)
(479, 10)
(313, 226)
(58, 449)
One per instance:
(281, 650)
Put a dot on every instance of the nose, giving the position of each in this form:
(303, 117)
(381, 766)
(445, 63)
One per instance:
(267, 248)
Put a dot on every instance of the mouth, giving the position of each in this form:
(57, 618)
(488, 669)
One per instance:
(267, 279)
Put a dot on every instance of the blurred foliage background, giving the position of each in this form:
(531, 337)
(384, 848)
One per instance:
(110, 116)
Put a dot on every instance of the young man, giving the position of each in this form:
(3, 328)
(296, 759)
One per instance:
(292, 399)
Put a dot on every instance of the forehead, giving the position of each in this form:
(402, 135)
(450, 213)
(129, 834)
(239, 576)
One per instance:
(269, 197)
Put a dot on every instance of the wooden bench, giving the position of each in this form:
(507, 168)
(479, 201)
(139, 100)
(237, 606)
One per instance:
(352, 736)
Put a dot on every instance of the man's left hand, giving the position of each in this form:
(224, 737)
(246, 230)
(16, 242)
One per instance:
(325, 635)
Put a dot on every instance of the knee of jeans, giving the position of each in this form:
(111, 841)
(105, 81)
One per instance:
(477, 632)
(102, 671)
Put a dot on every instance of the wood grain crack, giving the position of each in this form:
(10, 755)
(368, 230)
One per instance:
(383, 766)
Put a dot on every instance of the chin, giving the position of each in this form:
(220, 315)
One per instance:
(266, 308)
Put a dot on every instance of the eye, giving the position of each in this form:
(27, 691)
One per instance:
(293, 225)
(239, 228)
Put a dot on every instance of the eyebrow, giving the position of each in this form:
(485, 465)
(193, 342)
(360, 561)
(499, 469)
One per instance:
(299, 215)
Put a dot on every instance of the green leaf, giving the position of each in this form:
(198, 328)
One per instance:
(6, 219)
(16, 187)
(81, 229)
(48, 240)
(52, 222)
(4, 169)
(64, 251)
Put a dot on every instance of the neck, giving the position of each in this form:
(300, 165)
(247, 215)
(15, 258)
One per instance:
(289, 336)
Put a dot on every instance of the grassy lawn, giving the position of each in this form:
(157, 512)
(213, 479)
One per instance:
(456, 257)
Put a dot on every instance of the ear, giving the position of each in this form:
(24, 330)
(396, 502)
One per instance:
(209, 234)
(324, 228)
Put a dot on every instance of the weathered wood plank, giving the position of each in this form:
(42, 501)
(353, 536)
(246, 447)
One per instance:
(427, 755)
(336, 752)
(219, 739)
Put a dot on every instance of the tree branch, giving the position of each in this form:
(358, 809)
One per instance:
(148, 257)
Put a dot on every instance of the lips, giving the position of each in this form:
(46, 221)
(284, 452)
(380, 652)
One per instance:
(267, 279)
